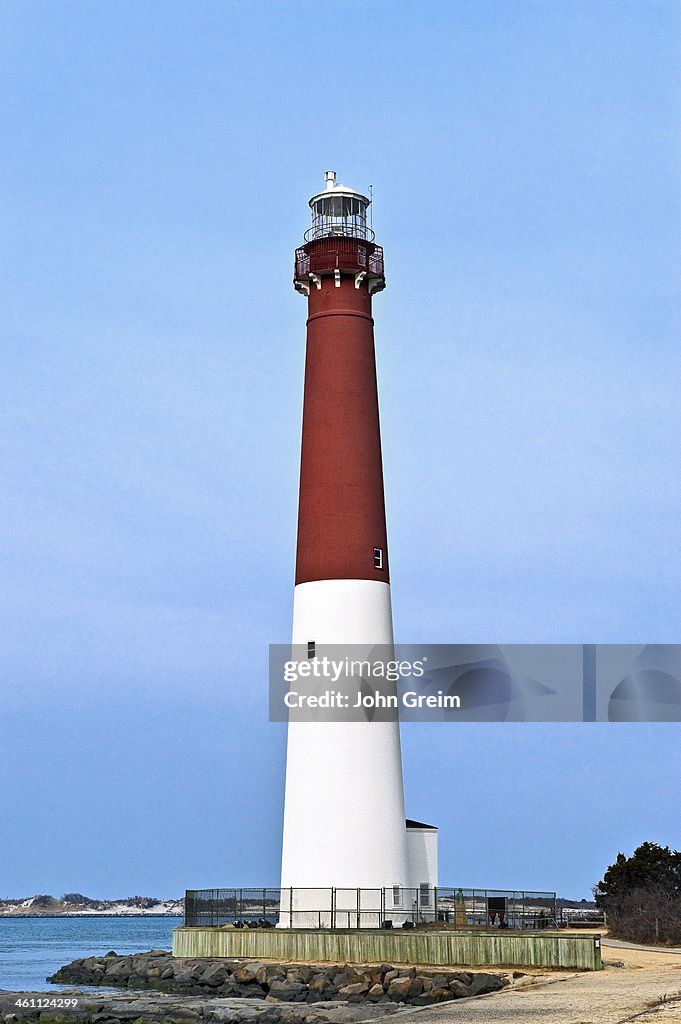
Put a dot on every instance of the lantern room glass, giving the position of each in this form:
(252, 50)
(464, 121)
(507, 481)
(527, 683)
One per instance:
(339, 215)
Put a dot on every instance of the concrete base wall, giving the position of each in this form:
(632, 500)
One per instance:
(472, 949)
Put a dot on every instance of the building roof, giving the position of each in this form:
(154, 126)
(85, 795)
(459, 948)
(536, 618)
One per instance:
(334, 188)
(410, 823)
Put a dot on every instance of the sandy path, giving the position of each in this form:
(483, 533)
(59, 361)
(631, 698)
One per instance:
(646, 949)
(586, 999)
(611, 996)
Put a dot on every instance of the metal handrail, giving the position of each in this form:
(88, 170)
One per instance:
(341, 252)
(339, 231)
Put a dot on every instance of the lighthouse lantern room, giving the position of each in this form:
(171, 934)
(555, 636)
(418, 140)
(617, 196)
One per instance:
(338, 210)
(339, 241)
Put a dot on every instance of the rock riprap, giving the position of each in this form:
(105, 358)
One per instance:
(164, 1008)
(382, 984)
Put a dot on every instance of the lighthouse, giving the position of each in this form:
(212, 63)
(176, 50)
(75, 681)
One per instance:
(344, 817)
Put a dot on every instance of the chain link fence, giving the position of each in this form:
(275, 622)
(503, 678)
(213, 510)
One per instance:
(389, 907)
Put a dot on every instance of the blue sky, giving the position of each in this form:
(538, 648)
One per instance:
(157, 161)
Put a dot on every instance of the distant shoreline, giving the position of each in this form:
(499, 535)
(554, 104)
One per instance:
(81, 914)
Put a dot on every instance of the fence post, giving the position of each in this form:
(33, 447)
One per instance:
(290, 913)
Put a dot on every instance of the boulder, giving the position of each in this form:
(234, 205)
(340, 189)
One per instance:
(245, 975)
(215, 975)
(331, 970)
(375, 992)
(358, 988)
(465, 977)
(527, 980)
(458, 989)
(433, 995)
(268, 973)
(398, 989)
(182, 975)
(483, 983)
(250, 991)
(288, 991)
(416, 987)
(139, 965)
(321, 986)
(118, 970)
(226, 1015)
(302, 974)
(315, 997)
(405, 988)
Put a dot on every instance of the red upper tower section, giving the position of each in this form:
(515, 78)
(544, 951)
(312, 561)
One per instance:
(341, 513)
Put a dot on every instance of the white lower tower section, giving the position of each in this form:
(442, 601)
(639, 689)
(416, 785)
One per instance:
(344, 823)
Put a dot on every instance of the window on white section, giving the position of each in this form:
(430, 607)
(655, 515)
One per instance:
(424, 894)
(311, 649)
(397, 895)
(378, 558)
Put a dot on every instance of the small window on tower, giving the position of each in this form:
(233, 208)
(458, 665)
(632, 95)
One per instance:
(378, 558)
(424, 894)
(311, 649)
(397, 895)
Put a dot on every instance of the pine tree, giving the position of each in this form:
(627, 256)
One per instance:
(641, 894)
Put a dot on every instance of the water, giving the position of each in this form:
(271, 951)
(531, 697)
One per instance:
(31, 948)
